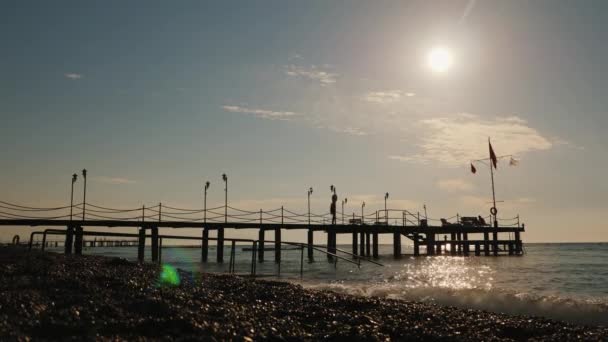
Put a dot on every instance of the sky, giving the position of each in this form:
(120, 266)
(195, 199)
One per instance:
(154, 98)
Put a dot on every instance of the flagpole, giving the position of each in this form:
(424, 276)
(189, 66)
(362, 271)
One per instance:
(493, 191)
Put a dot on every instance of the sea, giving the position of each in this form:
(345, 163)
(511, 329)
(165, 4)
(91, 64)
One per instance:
(563, 281)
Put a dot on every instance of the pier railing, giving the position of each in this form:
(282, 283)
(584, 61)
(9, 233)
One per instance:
(222, 214)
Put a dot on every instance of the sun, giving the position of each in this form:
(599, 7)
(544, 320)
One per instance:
(440, 59)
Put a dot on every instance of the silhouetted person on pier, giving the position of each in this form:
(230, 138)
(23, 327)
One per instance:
(482, 222)
(332, 207)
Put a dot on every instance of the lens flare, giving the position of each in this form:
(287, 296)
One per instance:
(169, 276)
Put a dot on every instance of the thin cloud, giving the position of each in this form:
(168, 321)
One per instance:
(454, 185)
(348, 130)
(261, 113)
(73, 76)
(312, 73)
(386, 97)
(455, 141)
(113, 180)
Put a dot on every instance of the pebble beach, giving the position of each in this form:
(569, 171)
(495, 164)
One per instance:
(50, 296)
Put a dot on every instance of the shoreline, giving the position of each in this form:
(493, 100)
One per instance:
(51, 296)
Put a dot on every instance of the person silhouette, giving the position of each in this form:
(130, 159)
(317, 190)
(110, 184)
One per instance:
(332, 207)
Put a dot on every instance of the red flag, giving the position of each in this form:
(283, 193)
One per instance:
(473, 169)
(492, 154)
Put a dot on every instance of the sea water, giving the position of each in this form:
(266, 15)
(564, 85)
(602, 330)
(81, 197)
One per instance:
(560, 281)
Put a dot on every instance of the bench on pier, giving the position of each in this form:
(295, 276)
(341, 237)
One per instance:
(473, 221)
(355, 221)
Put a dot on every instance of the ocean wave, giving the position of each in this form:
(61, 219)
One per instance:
(593, 311)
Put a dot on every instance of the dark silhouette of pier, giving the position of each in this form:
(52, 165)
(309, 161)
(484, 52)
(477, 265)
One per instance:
(452, 236)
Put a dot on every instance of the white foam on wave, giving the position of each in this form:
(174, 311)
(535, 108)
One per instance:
(581, 311)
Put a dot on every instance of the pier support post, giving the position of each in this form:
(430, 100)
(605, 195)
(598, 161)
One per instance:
(416, 245)
(486, 243)
(397, 245)
(466, 248)
(430, 244)
(154, 244)
(518, 246)
(78, 240)
(453, 243)
(69, 240)
(477, 253)
(261, 243)
(495, 242)
(375, 244)
(459, 247)
(277, 244)
(220, 244)
(367, 243)
(355, 244)
(205, 247)
(141, 244)
(438, 248)
(362, 246)
(310, 243)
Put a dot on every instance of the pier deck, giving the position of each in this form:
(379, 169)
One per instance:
(462, 237)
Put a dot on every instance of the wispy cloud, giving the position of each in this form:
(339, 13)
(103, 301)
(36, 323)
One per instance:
(113, 180)
(454, 185)
(456, 140)
(347, 130)
(73, 76)
(314, 73)
(261, 113)
(386, 97)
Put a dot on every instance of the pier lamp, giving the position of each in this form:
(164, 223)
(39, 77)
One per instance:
(84, 197)
(205, 202)
(309, 193)
(362, 216)
(385, 210)
(225, 178)
(74, 178)
(343, 202)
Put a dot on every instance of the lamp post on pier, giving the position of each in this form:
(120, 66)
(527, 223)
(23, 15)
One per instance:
(362, 215)
(205, 246)
(74, 178)
(207, 184)
(345, 200)
(309, 193)
(84, 197)
(385, 210)
(225, 178)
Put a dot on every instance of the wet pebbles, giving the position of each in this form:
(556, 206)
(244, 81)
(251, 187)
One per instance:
(50, 296)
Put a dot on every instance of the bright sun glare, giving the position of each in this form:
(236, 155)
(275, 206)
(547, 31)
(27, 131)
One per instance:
(440, 59)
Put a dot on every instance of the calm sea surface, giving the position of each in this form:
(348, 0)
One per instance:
(561, 281)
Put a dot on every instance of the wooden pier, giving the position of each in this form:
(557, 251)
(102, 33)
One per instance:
(466, 236)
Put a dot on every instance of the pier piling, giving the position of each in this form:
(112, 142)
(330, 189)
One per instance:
(78, 240)
(416, 245)
(362, 246)
(310, 244)
(141, 246)
(205, 246)
(375, 244)
(396, 244)
(261, 239)
(220, 244)
(154, 244)
(69, 240)
(486, 243)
